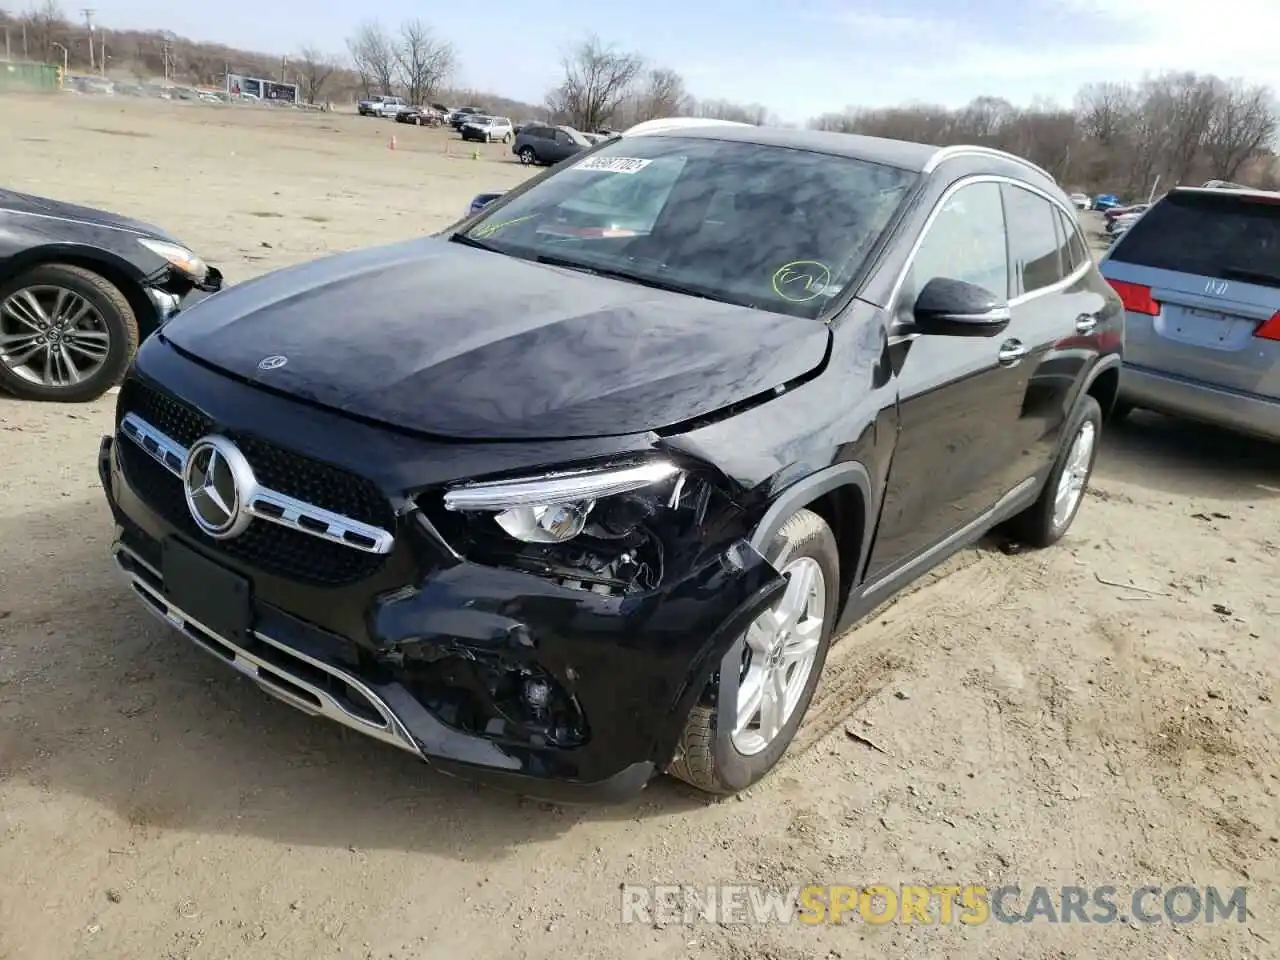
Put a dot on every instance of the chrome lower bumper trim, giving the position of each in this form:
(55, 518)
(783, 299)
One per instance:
(281, 683)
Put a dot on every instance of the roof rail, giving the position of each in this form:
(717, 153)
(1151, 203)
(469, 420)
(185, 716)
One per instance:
(963, 149)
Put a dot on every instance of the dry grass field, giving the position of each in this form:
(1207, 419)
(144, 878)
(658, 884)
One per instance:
(1098, 714)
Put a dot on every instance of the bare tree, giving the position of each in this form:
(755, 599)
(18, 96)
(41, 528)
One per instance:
(728, 110)
(314, 70)
(1179, 106)
(597, 79)
(1242, 122)
(373, 53)
(424, 63)
(44, 24)
(662, 95)
(1104, 111)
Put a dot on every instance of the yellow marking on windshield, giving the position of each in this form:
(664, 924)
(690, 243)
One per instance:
(489, 229)
(801, 280)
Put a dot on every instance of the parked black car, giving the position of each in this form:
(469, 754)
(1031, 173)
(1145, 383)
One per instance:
(79, 288)
(727, 389)
(462, 115)
(419, 116)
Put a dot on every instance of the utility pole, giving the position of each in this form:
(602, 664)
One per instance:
(8, 53)
(88, 22)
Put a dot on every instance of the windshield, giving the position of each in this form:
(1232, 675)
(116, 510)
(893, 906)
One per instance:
(768, 227)
(1221, 235)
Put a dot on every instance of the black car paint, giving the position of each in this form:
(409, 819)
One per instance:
(35, 230)
(908, 455)
(576, 355)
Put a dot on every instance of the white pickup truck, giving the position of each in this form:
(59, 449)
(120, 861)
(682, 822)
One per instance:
(381, 106)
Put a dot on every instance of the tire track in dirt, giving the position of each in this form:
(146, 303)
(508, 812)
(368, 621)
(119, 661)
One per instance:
(935, 611)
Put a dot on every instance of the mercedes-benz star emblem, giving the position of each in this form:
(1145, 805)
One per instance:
(274, 362)
(218, 481)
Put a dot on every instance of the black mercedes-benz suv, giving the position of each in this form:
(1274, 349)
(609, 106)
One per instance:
(580, 489)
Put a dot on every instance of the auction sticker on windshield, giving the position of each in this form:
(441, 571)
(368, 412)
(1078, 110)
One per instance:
(612, 164)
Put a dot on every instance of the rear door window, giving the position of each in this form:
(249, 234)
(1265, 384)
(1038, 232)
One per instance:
(1033, 239)
(1218, 234)
(1074, 252)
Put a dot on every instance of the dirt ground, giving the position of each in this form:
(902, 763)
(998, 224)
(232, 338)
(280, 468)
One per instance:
(1099, 713)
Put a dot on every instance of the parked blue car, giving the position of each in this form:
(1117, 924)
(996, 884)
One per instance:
(1105, 201)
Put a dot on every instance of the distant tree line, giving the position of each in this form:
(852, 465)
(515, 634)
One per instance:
(1180, 127)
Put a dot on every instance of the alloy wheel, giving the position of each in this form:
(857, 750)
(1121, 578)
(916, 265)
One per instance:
(1075, 474)
(781, 648)
(52, 336)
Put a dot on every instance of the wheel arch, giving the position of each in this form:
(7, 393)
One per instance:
(1103, 383)
(842, 495)
(122, 274)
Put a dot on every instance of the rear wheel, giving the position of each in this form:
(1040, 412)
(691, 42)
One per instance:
(506, 138)
(1046, 521)
(783, 654)
(66, 334)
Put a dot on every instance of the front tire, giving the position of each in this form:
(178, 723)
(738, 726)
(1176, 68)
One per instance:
(527, 156)
(1047, 520)
(66, 334)
(784, 653)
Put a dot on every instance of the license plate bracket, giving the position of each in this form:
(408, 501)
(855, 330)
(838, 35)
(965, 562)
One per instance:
(219, 598)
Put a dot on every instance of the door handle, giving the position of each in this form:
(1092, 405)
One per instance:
(1011, 351)
(1086, 322)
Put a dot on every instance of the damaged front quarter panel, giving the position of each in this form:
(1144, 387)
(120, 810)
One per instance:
(615, 674)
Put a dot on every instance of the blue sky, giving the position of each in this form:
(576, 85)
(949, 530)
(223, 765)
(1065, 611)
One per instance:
(798, 57)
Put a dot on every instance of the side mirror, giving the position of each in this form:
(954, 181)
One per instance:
(954, 308)
(482, 201)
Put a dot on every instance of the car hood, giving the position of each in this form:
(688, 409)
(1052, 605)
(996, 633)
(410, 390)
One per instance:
(27, 203)
(438, 338)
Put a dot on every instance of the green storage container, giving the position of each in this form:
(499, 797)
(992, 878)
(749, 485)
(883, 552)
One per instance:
(28, 76)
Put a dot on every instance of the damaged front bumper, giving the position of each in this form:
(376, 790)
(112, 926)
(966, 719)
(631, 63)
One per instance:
(433, 656)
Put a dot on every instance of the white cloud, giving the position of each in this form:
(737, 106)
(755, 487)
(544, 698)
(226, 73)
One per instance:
(896, 58)
(1236, 38)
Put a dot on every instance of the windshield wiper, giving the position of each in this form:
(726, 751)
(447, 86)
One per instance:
(1257, 276)
(636, 278)
(467, 241)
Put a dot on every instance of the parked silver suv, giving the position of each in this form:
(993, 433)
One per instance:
(1199, 274)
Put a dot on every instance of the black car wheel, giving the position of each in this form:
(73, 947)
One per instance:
(784, 652)
(527, 156)
(1046, 521)
(506, 138)
(66, 334)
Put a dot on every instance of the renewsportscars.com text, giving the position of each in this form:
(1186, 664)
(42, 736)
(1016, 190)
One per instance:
(969, 904)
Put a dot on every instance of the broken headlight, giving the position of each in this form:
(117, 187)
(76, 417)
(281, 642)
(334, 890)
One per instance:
(556, 507)
(603, 529)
